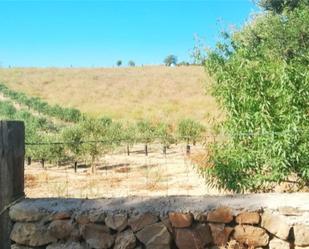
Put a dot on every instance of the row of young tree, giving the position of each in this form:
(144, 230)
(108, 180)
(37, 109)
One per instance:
(33, 124)
(91, 138)
(37, 104)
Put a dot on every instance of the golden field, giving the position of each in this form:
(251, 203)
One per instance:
(151, 92)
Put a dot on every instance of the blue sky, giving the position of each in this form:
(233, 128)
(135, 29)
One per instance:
(98, 33)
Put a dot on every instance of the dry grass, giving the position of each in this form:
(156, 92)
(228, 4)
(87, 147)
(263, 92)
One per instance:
(154, 92)
(119, 175)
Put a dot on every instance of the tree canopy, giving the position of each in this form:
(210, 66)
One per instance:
(261, 79)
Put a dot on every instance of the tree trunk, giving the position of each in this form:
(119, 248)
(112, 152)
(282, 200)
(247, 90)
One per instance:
(146, 149)
(93, 166)
(188, 150)
(75, 167)
(128, 150)
(164, 149)
(29, 160)
(43, 163)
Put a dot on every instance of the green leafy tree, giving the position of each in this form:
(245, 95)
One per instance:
(129, 135)
(73, 138)
(96, 133)
(278, 6)
(261, 79)
(131, 64)
(170, 60)
(164, 133)
(189, 131)
(119, 63)
(146, 133)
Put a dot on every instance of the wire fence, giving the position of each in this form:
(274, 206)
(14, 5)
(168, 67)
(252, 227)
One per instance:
(133, 168)
(119, 174)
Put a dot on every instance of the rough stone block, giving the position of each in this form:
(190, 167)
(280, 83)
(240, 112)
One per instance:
(117, 222)
(220, 215)
(251, 236)
(180, 220)
(196, 237)
(155, 236)
(61, 229)
(125, 240)
(251, 218)
(276, 243)
(31, 234)
(220, 233)
(140, 221)
(276, 225)
(301, 235)
(97, 236)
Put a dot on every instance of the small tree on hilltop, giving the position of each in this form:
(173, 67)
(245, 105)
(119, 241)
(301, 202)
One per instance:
(131, 63)
(119, 63)
(170, 60)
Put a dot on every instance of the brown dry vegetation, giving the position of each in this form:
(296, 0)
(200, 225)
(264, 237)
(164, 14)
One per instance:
(153, 92)
(119, 175)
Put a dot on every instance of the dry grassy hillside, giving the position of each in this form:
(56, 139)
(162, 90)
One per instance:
(155, 92)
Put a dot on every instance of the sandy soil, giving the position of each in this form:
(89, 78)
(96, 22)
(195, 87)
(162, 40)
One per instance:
(119, 175)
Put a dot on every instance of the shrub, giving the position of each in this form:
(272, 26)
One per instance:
(262, 81)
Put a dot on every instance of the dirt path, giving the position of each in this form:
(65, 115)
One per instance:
(120, 175)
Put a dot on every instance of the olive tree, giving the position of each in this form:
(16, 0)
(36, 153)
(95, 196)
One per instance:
(164, 133)
(189, 131)
(73, 138)
(146, 133)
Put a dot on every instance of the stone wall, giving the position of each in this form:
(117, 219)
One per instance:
(255, 221)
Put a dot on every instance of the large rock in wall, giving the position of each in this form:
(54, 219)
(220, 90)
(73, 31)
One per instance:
(86, 224)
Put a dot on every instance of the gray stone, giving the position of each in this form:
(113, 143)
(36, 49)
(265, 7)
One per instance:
(155, 236)
(61, 215)
(125, 240)
(61, 229)
(31, 234)
(276, 243)
(97, 236)
(140, 221)
(25, 212)
(82, 218)
(96, 216)
(276, 225)
(68, 245)
(16, 246)
(301, 234)
(117, 222)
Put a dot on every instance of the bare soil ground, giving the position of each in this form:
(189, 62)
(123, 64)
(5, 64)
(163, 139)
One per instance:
(120, 175)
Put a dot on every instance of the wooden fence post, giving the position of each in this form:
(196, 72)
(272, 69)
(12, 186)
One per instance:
(12, 153)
